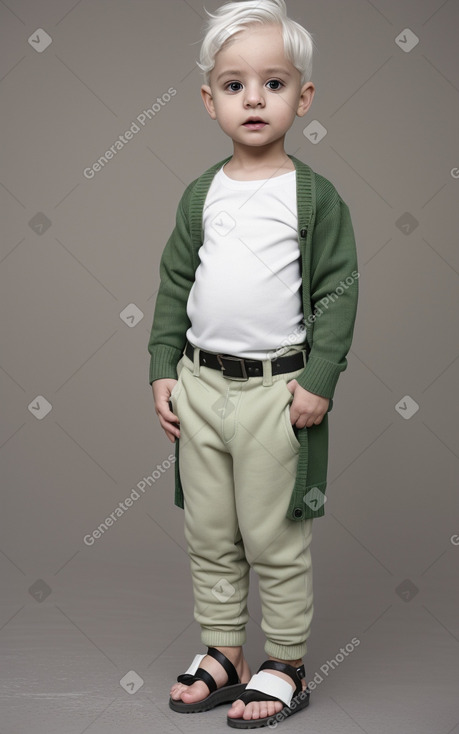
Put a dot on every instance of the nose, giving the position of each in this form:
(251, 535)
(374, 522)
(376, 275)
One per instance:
(253, 96)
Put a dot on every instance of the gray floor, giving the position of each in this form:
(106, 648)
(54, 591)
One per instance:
(63, 657)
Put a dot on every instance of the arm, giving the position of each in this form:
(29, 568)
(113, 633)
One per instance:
(333, 295)
(170, 321)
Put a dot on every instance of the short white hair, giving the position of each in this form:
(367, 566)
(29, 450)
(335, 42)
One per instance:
(237, 15)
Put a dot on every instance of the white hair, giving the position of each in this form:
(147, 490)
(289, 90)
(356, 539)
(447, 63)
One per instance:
(237, 15)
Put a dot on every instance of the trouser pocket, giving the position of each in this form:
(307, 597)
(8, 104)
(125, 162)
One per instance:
(292, 430)
(176, 390)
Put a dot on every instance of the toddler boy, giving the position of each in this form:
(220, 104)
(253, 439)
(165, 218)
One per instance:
(253, 321)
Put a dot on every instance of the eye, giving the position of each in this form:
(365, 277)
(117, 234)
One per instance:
(274, 85)
(234, 86)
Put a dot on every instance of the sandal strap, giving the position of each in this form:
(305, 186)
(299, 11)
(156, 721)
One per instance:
(296, 674)
(195, 673)
(253, 694)
(233, 678)
(265, 687)
(194, 665)
(200, 674)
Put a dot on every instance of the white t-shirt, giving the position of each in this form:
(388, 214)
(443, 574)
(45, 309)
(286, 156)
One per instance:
(246, 299)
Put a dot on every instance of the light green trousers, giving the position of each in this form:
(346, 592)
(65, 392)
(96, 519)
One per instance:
(237, 462)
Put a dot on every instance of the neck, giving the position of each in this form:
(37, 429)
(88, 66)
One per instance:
(252, 158)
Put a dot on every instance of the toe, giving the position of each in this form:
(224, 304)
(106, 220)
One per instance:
(176, 691)
(189, 694)
(263, 710)
(237, 709)
(196, 692)
(274, 708)
(270, 709)
(252, 710)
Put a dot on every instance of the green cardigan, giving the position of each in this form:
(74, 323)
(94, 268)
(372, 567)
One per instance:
(330, 292)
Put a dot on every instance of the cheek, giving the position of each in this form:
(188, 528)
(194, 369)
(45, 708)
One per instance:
(224, 112)
(287, 110)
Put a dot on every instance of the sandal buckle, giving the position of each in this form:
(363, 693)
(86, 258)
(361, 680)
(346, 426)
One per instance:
(301, 673)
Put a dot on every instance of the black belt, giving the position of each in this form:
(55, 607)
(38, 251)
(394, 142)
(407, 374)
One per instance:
(238, 368)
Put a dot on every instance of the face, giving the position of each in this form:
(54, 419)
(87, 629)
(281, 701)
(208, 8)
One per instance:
(255, 92)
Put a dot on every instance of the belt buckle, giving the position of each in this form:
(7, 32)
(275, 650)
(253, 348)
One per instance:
(222, 357)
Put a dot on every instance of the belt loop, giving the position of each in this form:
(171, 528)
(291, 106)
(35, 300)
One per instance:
(267, 373)
(196, 365)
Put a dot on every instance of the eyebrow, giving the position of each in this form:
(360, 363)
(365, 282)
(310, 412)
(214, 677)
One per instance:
(271, 70)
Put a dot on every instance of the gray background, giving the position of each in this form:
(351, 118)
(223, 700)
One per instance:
(75, 619)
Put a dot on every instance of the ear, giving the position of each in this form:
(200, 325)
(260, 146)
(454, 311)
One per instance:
(207, 98)
(306, 97)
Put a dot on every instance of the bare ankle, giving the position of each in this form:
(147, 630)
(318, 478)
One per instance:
(230, 651)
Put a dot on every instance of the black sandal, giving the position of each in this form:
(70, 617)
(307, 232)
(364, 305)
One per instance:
(266, 687)
(226, 694)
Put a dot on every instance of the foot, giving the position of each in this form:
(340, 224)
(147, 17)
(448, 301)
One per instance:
(261, 709)
(199, 690)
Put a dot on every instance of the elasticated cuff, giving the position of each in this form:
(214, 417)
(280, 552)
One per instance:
(320, 376)
(285, 652)
(163, 362)
(213, 638)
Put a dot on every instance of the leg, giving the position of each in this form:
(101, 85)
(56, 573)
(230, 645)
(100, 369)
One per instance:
(277, 548)
(220, 571)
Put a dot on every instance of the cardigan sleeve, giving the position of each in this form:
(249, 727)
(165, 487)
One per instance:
(333, 294)
(170, 320)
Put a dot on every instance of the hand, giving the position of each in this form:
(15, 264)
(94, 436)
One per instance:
(307, 408)
(161, 395)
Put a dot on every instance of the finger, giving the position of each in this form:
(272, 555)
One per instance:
(294, 413)
(172, 433)
(169, 414)
(169, 427)
(316, 421)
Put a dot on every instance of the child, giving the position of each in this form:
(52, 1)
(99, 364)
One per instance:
(253, 321)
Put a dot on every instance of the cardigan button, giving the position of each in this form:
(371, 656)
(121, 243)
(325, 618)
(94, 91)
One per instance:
(298, 512)
(303, 233)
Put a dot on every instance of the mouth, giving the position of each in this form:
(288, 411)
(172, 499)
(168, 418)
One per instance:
(254, 123)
